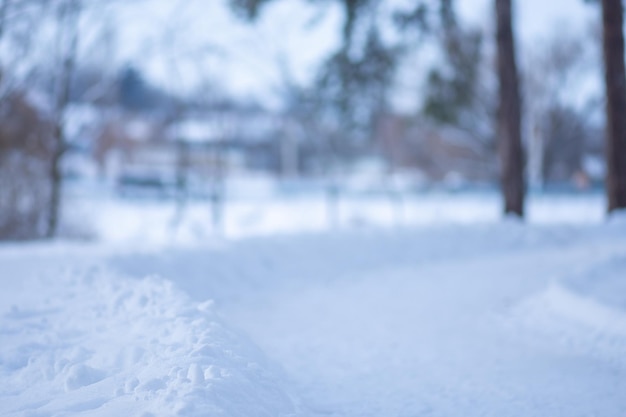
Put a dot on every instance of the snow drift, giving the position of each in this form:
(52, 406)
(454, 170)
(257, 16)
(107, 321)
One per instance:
(85, 341)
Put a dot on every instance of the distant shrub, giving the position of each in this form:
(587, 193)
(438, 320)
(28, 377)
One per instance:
(24, 168)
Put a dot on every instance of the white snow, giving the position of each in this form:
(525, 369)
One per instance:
(438, 318)
(264, 212)
(79, 339)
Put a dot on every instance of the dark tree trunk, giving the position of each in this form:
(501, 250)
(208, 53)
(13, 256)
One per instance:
(3, 12)
(509, 114)
(68, 18)
(55, 181)
(615, 81)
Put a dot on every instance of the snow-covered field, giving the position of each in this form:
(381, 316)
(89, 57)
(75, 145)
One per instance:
(441, 310)
(162, 222)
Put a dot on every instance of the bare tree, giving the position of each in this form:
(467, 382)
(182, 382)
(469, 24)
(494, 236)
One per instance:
(39, 41)
(67, 43)
(3, 17)
(615, 82)
(3, 13)
(24, 131)
(509, 113)
(559, 126)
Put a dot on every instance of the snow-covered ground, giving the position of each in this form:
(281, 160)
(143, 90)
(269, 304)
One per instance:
(80, 339)
(270, 213)
(441, 312)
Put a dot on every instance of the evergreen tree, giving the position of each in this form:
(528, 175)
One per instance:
(452, 86)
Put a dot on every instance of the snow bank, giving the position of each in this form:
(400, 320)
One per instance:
(577, 323)
(88, 342)
(583, 312)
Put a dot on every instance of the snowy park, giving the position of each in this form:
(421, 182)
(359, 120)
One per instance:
(312, 208)
(472, 316)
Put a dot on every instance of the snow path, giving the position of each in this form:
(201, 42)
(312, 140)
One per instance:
(482, 320)
(420, 346)
(478, 321)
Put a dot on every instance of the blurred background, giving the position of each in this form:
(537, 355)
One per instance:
(162, 119)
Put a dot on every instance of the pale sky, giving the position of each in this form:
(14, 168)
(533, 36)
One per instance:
(535, 19)
(184, 41)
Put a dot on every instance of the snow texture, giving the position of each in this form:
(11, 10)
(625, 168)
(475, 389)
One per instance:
(491, 319)
(81, 340)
